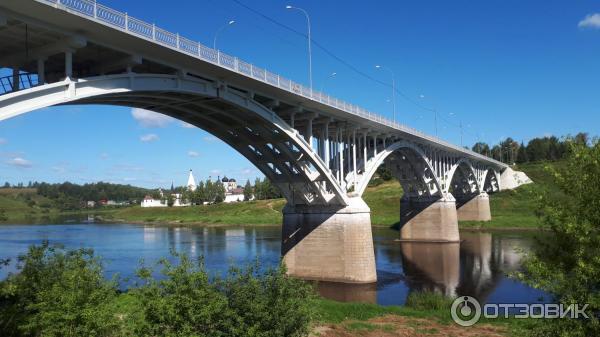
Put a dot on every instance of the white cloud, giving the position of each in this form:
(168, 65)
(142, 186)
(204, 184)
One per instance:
(150, 119)
(187, 125)
(590, 21)
(193, 154)
(104, 156)
(149, 138)
(215, 172)
(3, 141)
(19, 162)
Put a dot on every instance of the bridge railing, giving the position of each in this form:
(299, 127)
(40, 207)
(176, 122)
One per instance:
(17, 82)
(124, 22)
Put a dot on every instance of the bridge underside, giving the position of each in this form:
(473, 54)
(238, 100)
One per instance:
(319, 152)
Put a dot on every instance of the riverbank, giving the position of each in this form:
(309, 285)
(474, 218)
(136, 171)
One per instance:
(428, 315)
(511, 210)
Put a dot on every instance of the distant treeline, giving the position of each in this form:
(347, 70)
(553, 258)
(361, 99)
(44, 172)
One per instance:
(73, 196)
(538, 149)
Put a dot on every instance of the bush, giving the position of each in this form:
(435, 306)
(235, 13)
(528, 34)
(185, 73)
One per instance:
(57, 292)
(245, 303)
(270, 305)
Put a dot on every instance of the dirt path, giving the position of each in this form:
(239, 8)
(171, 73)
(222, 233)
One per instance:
(399, 326)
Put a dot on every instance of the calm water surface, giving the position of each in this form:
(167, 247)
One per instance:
(477, 266)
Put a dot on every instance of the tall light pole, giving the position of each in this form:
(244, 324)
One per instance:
(332, 75)
(434, 115)
(393, 88)
(309, 45)
(231, 22)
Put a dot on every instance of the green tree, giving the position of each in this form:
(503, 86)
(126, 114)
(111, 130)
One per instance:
(481, 148)
(582, 138)
(247, 191)
(200, 193)
(522, 155)
(566, 263)
(219, 192)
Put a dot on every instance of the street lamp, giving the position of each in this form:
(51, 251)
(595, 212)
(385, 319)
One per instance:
(332, 75)
(393, 88)
(434, 115)
(231, 22)
(309, 45)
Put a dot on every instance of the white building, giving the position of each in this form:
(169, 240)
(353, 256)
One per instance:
(177, 202)
(151, 202)
(191, 184)
(233, 193)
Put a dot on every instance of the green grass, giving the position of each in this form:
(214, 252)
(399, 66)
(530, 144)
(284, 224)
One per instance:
(516, 208)
(261, 212)
(428, 306)
(428, 301)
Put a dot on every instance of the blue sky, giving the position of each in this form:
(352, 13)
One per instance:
(502, 68)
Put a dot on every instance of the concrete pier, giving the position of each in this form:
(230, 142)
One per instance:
(329, 244)
(429, 219)
(474, 208)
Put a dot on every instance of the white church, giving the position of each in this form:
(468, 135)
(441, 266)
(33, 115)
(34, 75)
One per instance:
(233, 193)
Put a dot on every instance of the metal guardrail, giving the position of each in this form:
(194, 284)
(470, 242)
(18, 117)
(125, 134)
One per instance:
(23, 81)
(124, 22)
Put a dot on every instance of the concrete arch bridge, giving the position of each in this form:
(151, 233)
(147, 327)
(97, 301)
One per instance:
(319, 151)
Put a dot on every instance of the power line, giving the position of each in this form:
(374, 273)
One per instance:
(346, 63)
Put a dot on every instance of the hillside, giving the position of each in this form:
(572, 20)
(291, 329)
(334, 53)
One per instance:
(22, 205)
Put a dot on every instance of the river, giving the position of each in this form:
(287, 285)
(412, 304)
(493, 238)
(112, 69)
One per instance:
(478, 266)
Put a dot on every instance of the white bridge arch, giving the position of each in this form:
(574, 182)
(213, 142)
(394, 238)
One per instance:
(435, 174)
(256, 132)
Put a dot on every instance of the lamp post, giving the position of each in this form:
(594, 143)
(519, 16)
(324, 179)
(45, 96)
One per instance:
(231, 22)
(434, 115)
(393, 88)
(332, 75)
(309, 45)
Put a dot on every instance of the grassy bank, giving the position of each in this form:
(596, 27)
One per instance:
(25, 206)
(261, 212)
(510, 209)
(424, 314)
(516, 208)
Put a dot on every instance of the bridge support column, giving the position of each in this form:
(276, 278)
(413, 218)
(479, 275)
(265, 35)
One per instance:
(327, 243)
(474, 208)
(431, 219)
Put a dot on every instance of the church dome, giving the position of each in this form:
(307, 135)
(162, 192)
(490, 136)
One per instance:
(225, 180)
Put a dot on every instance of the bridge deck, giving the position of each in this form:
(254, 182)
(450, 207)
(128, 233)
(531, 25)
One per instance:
(113, 35)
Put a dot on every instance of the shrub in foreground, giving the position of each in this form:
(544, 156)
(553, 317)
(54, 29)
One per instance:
(58, 292)
(566, 263)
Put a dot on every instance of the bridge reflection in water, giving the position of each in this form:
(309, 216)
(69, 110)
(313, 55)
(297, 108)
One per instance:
(477, 266)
